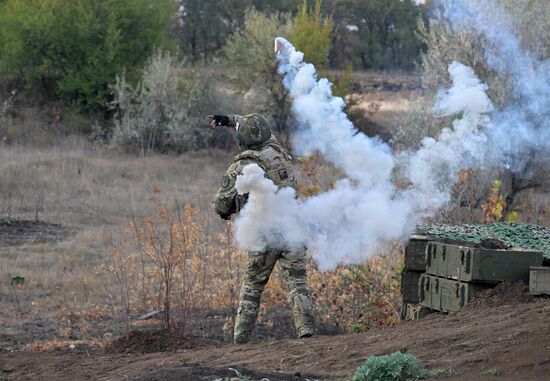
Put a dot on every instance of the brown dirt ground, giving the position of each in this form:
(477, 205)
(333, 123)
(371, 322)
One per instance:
(157, 340)
(18, 232)
(502, 328)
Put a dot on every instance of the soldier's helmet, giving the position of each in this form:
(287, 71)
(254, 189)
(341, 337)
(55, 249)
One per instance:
(252, 130)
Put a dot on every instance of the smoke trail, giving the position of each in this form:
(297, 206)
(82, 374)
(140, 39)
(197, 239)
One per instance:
(346, 223)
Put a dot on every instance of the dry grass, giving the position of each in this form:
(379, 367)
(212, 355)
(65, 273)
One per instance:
(71, 294)
(385, 98)
(121, 213)
(84, 186)
(90, 191)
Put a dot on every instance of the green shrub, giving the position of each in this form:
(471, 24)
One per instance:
(166, 111)
(311, 34)
(395, 367)
(375, 34)
(73, 49)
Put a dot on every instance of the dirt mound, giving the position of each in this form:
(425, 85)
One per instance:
(503, 294)
(160, 340)
(493, 244)
(503, 331)
(19, 232)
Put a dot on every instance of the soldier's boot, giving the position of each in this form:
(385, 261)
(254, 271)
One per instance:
(294, 273)
(258, 270)
(302, 311)
(245, 321)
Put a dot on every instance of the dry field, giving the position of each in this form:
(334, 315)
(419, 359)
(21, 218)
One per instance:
(78, 193)
(79, 222)
(84, 233)
(385, 98)
(69, 255)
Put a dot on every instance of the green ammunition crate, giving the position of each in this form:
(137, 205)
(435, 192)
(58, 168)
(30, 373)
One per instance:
(454, 295)
(430, 292)
(468, 264)
(415, 253)
(446, 294)
(539, 281)
(409, 285)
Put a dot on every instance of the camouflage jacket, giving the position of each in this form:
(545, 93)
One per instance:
(271, 157)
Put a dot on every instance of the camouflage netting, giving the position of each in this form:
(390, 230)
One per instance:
(532, 237)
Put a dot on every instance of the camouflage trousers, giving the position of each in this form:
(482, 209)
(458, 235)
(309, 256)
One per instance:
(258, 269)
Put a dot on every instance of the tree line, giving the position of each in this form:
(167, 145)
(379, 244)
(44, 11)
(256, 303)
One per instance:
(371, 34)
(73, 51)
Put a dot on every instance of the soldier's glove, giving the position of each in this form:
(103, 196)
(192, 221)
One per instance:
(219, 120)
(225, 217)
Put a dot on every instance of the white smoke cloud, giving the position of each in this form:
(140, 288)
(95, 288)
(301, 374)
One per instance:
(434, 168)
(345, 224)
(339, 226)
(520, 131)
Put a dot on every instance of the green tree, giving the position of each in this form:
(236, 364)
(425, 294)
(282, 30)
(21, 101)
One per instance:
(446, 43)
(311, 34)
(250, 54)
(375, 34)
(165, 111)
(72, 50)
(204, 25)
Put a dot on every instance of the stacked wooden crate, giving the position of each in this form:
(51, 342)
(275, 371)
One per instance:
(443, 275)
(415, 267)
(454, 273)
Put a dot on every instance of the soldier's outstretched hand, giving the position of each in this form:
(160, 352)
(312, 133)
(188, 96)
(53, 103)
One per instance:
(218, 120)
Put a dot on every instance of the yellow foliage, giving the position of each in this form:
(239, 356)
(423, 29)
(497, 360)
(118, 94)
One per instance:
(495, 205)
(355, 298)
(166, 261)
(513, 216)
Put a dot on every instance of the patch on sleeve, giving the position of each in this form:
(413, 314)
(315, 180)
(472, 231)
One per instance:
(225, 181)
(283, 175)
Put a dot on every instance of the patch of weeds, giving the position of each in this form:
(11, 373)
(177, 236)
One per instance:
(442, 372)
(357, 327)
(395, 367)
(493, 372)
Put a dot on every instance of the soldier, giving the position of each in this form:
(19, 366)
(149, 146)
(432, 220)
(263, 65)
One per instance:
(259, 146)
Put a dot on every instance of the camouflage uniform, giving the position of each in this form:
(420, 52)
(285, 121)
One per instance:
(275, 161)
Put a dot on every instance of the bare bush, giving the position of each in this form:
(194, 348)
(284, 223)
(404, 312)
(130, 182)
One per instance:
(167, 262)
(249, 52)
(5, 107)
